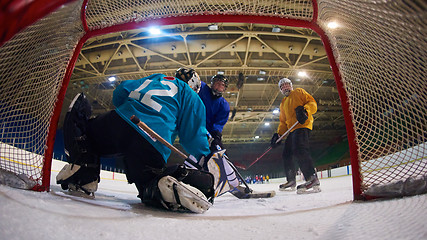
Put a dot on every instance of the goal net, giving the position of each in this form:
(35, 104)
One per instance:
(377, 54)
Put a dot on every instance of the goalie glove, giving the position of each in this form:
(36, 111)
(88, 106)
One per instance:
(301, 114)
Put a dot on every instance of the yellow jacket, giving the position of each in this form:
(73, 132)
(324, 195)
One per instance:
(297, 97)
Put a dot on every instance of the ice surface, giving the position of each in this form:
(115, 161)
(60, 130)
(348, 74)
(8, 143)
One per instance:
(330, 214)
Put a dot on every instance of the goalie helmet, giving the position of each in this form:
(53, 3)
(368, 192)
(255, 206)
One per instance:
(189, 76)
(215, 90)
(285, 86)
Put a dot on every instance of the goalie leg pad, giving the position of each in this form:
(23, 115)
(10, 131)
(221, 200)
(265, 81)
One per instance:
(76, 142)
(202, 180)
(177, 194)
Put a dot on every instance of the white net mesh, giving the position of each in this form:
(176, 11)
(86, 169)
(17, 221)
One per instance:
(381, 50)
(102, 14)
(379, 46)
(32, 68)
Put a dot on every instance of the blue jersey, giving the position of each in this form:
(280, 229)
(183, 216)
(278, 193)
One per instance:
(169, 107)
(217, 109)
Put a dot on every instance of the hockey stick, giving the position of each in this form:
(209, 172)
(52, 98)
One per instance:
(153, 134)
(269, 148)
(247, 188)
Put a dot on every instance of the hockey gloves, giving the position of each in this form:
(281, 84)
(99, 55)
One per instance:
(301, 114)
(273, 143)
(216, 143)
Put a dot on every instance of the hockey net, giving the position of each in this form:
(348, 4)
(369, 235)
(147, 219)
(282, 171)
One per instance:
(377, 54)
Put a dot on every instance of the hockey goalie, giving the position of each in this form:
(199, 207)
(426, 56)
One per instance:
(172, 109)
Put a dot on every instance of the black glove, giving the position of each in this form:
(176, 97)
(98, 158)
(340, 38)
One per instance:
(217, 141)
(273, 143)
(301, 114)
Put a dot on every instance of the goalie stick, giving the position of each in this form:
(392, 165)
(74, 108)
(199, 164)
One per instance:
(268, 149)
(153, 134)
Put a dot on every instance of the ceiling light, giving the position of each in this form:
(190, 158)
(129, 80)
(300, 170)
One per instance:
(112, 79)
(275, 111)
(213, 27)
(260, 79)
(220, 72)
(302, 74)
(267, 124)
(275, 29)
(119, 53)
(256, 137)
(262, 72)
(203, 46)
(154, 30)
(333, 25)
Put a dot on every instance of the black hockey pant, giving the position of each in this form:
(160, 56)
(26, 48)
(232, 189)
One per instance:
(109, 135)
(297, 147)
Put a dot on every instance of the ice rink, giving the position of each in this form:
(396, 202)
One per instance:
(330, 214)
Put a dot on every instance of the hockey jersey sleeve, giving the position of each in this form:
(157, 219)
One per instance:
(222, 116)
(191, 124)
(283, 127)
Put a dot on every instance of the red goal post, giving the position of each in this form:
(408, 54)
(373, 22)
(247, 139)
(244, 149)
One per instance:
(377, 56)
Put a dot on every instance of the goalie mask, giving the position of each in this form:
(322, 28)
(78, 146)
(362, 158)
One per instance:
(285, 86)
(219, 84)
(189, 76)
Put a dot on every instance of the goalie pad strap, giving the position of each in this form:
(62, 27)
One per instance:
(175, 193)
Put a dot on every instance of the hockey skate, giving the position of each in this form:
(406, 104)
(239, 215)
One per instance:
(81, 181)
(288, 186)
(311, 186)
(176, 195)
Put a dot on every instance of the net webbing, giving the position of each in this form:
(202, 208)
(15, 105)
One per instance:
(32, 68)
(381, 50)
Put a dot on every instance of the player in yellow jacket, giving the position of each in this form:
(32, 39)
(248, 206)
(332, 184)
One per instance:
(297, 105)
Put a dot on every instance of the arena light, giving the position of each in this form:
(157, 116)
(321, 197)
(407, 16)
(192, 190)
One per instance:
(213, 27)
(276, 111)
(154, 30)
(112, 79)
(267, 124)
(262, 72)
(220, 72)
(275, 29)
(333, 25)
(302, 74)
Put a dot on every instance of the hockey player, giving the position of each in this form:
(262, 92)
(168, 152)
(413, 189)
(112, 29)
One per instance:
(226, 175)
(297, 105)
(217, 108)
(170, 108)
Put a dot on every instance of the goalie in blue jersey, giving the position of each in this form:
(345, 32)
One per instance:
(171, 109)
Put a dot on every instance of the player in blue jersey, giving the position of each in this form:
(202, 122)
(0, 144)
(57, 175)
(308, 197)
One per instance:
(217, 108)
(170, 108)
(217, 111)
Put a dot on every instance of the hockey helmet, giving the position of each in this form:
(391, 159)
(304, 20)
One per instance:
(285, 86)
(189, 76)
(215, 79)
